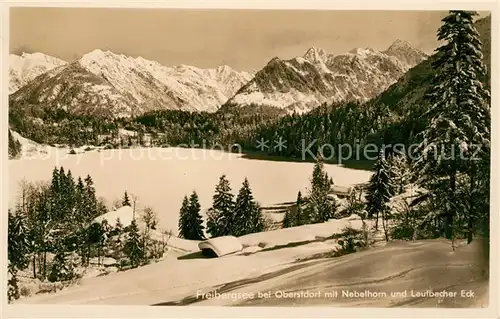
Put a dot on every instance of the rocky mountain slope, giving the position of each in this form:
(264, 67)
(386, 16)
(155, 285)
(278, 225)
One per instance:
(406, 95)
(104, 83)
(302, 83)
(24, 68)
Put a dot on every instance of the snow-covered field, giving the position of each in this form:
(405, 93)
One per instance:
(160, 177)
(414, 267)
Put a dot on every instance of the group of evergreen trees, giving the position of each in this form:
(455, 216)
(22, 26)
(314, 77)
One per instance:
(320, 203)
(53, 218)
(190, 221)
(225, 217)
(58, 219)
(455, 151)
(452, 161)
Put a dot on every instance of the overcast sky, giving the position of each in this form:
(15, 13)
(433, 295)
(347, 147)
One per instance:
(243, 39)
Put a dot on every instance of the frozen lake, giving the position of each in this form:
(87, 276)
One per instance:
(161, 177)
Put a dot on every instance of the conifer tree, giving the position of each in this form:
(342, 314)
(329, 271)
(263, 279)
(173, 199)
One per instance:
(12, 283)
(321, 205)
(184, 218)
(62, 268)
(220, 215)
(301, 217)
(150, 220)
(126, 200)
(190, 221)
(459, 117)
(400, 172)
(247, 214)
(380, 188)
(288, 219)
(133, 248)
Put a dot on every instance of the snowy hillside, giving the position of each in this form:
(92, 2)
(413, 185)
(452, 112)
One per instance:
(102, 82)
(317, 77)
(413, 266)
(26, 67)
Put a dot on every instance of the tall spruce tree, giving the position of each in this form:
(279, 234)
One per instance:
(380, 188)
(18, 236)
(220, 215)
(190, 221)
(247, 214)
(460, 119)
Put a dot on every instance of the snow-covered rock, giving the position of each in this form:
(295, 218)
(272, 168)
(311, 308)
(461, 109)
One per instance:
(26, 67)
(116, 85)
(318, 77)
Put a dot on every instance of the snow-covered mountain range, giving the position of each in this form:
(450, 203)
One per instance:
(102, 82)
(105, 83)
(302, 83)
(24, 68)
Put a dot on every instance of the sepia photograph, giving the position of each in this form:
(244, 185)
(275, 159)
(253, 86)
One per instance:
(244, 157)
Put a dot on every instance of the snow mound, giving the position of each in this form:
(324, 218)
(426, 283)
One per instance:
(286, 236)
(125, 213)
(221, 246)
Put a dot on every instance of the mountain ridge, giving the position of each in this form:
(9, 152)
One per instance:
(317, 77)
(27, 66)
(102, 82)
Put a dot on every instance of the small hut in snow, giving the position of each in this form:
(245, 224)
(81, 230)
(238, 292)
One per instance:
(125, 214)
(220, 246)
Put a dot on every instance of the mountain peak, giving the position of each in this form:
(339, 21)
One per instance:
(362, 51)
(27, 66)
(400, 44)
(315, 54)
(405, 52)
(97, 54)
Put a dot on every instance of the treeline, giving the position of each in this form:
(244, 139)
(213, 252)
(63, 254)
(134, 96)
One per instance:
(229, 216)
(162, 127)
(225, 217)
(52, 232)
(450, 172)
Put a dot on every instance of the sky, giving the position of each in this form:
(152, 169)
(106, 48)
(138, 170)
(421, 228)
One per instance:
(243, 39)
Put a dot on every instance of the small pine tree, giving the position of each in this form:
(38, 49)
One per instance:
(220, 215)
(12, 283)
(301, 217)
(62, 267)
(133, 248)
(380, 188)
(190, 221)
(119, 225)
(126, 200)
(288, 220)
